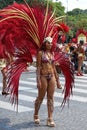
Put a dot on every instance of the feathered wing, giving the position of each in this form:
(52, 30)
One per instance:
(14, 72)
(24, 27)
(17, 28)
(68, 71)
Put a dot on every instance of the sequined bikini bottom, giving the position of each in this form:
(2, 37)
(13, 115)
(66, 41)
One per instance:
(48, 76)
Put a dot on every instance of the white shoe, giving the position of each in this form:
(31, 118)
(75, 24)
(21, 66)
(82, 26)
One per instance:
(36, 119)
(50, 122)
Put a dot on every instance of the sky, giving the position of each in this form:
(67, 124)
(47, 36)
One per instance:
(72, 4)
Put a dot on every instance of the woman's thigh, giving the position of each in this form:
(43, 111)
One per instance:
(43, 89)
(51, 87)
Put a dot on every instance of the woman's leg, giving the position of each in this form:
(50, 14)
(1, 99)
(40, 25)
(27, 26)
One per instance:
(80, 62)
(50, 101)
(4, 80)
(41, 94)
(50, 96)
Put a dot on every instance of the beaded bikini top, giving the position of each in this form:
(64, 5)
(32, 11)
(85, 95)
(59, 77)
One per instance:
(46, 58)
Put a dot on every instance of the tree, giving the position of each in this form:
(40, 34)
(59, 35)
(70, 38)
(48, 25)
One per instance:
(4, 3)
(77, 19)
(59, 9)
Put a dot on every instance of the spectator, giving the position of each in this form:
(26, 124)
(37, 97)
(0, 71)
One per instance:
(81, 57)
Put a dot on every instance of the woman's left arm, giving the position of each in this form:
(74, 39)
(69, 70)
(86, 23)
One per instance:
(56, 76)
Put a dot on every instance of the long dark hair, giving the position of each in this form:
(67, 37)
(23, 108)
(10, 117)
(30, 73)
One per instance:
(43, 47)
(59, 39)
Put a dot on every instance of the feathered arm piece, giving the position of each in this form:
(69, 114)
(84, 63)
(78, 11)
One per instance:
(23, 57)
(68, 72)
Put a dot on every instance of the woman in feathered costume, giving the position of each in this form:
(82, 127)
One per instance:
(23, 31)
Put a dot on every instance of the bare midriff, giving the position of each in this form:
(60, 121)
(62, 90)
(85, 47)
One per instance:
(46, 68)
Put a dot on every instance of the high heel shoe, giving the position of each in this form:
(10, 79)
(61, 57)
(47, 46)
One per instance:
(50, 122)
(59, 87)
(78, 74)
(36, 119)
(5, 93)
(81, 74)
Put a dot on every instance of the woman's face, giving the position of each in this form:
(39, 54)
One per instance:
(48, 45)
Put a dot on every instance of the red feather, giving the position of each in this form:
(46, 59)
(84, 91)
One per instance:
(14, 71)
(68, 72)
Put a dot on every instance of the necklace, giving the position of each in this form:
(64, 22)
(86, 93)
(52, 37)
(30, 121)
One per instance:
(49, 56)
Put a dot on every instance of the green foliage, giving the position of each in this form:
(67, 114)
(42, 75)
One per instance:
(35, 2)
(5, 3)
(77, 19)
(59, 9)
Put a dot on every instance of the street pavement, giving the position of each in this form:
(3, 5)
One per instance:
(73, 117)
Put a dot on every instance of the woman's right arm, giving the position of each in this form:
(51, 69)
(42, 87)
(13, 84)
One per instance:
(39, 56)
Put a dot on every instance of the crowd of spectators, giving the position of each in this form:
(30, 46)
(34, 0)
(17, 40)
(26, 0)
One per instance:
(77, 53)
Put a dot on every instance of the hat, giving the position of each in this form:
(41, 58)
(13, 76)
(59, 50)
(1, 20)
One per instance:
(48, 39)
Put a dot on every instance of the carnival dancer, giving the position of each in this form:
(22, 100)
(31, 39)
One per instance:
(3, 71)
(81, 56)
(60, 45)
(5, 60)
(46, 80)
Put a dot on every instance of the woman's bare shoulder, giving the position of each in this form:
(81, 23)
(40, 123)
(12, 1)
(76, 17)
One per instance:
(40, 53)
